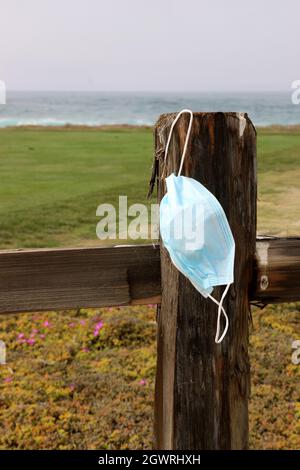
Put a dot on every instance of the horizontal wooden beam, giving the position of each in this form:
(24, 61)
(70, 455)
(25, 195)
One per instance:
(277, 270)
(53, 279)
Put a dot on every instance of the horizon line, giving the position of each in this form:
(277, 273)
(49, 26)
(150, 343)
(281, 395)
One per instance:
(147, 91)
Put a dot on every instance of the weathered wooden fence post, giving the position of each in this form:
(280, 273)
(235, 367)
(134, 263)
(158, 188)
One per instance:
(202, 388)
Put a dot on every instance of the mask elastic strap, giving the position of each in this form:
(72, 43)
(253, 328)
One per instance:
(221, 309)
(186, 139)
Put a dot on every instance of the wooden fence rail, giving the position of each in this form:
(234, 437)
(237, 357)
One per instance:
(32, 280)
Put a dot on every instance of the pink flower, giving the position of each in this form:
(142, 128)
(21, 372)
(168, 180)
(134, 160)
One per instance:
(46, 323)
(98, 327)
(31, 341)
(21, 335)
(71, 325)
(72, 387)
(85, 350)
(82, 322)
(42, 336)
(7, 380)
(34, 331)
(142, 382)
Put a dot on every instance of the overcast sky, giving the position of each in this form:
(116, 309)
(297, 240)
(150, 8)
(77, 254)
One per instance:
(149, 45)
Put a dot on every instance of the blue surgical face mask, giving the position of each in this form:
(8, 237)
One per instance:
(195, 231)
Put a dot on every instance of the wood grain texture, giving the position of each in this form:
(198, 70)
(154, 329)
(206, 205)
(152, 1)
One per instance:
(85, 277)
(46, 279)
(202, 389)
(276, 276)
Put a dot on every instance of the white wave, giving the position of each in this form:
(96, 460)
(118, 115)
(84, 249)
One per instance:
(13, 122)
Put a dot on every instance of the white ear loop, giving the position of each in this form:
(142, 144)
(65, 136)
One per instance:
(221, 309)
(186, 139)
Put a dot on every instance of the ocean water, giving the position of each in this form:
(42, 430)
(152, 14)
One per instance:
(97, 108)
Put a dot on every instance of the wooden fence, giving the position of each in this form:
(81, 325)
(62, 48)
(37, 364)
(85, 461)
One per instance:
(202, 389)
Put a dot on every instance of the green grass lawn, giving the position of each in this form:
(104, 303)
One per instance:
(278, 158)
(53, 180)
(85, 379)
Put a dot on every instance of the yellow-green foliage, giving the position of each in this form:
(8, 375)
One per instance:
(275, 394)
(85, 380)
